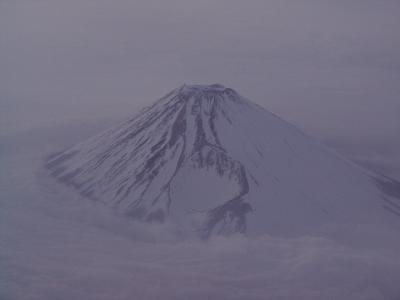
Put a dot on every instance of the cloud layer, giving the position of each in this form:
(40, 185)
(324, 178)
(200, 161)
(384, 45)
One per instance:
(54, 245)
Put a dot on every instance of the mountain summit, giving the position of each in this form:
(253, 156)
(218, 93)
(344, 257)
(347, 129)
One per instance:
(212, 161)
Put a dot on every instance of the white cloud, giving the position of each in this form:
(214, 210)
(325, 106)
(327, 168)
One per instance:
(57, 246)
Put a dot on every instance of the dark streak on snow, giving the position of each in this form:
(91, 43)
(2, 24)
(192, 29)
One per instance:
(152, 129)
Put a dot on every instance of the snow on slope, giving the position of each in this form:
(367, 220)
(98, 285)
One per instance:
(211, 160)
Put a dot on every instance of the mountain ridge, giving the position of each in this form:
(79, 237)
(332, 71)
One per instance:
(237, 158)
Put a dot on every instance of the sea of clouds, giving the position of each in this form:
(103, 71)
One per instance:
(55, 245)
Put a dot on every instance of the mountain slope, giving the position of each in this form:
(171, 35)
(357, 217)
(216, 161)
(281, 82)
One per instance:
(211, 160)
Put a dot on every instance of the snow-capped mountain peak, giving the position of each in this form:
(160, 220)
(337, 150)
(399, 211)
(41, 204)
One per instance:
(209, 159)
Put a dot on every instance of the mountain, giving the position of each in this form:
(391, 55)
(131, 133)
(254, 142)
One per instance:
(208, 159)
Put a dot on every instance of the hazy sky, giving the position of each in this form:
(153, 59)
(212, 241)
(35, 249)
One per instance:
(330, 67)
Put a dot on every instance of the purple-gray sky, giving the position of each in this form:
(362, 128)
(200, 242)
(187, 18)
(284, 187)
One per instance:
(330, 67)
